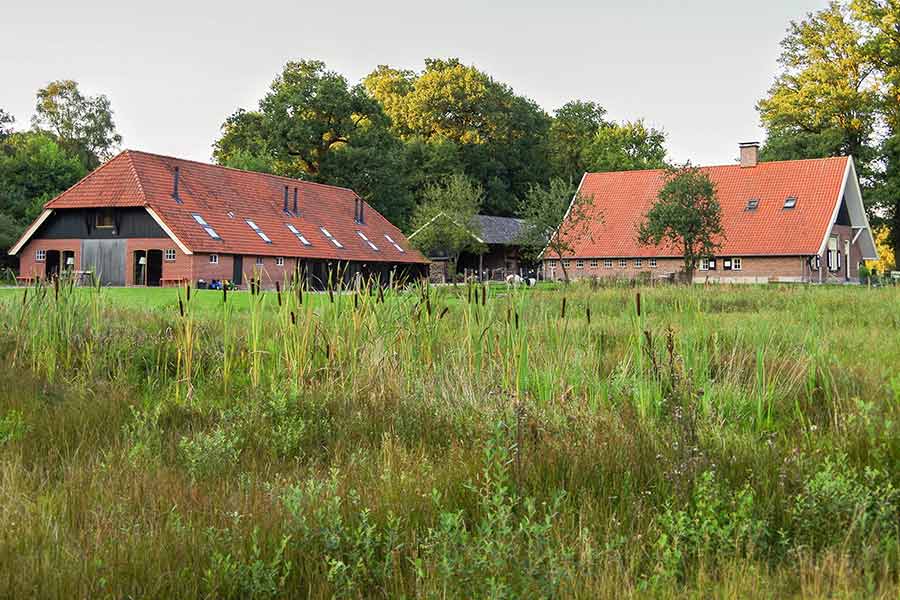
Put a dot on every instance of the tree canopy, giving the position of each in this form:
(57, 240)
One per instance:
(686, 217)
(83, 125)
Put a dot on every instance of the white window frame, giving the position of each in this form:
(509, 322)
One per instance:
(299, 235)
(279, 261)
(704, 264)
(40, 256)
(653, 263)
(170, 255)
(736, 263)
(638, 263)
(213, 259)
(566, 263)
(206, 227)
(330, 237)
(594, 263)
(607, 263)
(366, 240)
(623, 263)
(579, 264)
(395, 244)
(258, 231)
(260, 261)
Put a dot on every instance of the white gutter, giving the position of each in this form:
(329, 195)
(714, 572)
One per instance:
(30, 232)
(566, 216)
(837, 206)
(442, 214)
(168, 231)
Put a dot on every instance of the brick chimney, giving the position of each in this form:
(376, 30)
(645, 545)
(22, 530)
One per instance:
(749, 154)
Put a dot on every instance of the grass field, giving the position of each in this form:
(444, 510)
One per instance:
(450, 443)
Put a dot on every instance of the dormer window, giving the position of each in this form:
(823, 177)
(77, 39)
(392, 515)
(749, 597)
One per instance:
(790, 202)
(752, 203)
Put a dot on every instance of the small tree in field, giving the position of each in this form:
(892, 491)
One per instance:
(686, 217)
(445, 220)
(556, 218)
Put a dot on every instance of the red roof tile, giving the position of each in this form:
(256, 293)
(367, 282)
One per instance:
(623, 198)
(225, 198)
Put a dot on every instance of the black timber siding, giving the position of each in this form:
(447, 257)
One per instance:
(78, 223)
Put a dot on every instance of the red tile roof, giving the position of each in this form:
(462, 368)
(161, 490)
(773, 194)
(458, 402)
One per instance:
(226, 197)
(623, 198)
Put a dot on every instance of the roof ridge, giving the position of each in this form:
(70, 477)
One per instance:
(225, 167)
(137, 176)
(733, 166)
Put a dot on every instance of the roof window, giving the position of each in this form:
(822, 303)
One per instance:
(327, 234)
(395, 244)
(367, 240)
(790, 202)
(752, 203)
(258, 231)
(206, 226)
(299, 235)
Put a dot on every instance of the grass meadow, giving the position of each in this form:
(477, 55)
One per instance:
(456, 442)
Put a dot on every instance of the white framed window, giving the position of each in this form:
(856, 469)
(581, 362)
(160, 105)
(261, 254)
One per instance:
(593, 263)
(736, 264)
(279, 261)
(834, 257)
(299, 235)
(726, 264)
(652, 263)
(607, 263)
(213, 259)
(704, 264)
(40, 255)
(260, 261)
(551, 264)
(367, 240)
(638, 262)
(566, 263)
(206, 226)
(790, 202)
(327, 234)
(170, 254)
(623, 263)
(395, 244)
(579, 264)
(258, 231)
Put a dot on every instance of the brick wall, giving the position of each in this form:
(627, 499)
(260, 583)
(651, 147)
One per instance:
(180, 268)
(29, 267)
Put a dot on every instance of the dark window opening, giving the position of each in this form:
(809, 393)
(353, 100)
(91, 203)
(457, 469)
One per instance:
(105, 218)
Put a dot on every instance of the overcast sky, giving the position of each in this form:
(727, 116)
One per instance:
(175, 70)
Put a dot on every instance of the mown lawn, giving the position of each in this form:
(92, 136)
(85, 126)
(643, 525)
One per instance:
(446, 442)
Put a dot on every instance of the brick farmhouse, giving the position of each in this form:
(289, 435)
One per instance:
(149, 220)
(789, 221)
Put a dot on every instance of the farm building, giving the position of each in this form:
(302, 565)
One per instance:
(790, 221)
(501, 255)
(149, 220)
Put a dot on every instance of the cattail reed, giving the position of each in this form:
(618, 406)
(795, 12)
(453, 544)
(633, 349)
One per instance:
(444, 312)
(330, 293)
(355, 301)
(562, 311)
(637, 300)
(293, 318)
(588, 312)
(224, 294)
(187, 291)
(483, 294)
(428, 305)
(180, 307)
(278, 292)
(517, 320)
(380, 293)
(56, 288)
(300, 294)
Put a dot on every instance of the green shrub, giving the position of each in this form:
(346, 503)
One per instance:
(12, 427)
(205, 454)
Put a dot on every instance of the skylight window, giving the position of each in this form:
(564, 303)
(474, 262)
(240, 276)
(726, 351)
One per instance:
(790, 202)
(396, 245)
(752, 203)
(327, 234)
(206, 226)
(299, 235)
(258, 231)
(367, 240)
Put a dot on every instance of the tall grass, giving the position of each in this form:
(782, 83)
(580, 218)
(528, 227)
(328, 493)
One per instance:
(461, 441)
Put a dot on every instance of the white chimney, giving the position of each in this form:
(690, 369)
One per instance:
(749, 154)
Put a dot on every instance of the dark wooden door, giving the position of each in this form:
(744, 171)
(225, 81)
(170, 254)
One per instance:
(154, 267)
(237, 276)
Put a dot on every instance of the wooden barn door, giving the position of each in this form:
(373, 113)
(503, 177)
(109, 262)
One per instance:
(106, 259)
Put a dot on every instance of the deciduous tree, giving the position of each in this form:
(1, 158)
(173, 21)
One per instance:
(83, 124)
(556, 218)
(445, 219)
(625, 147)
(686, 217)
